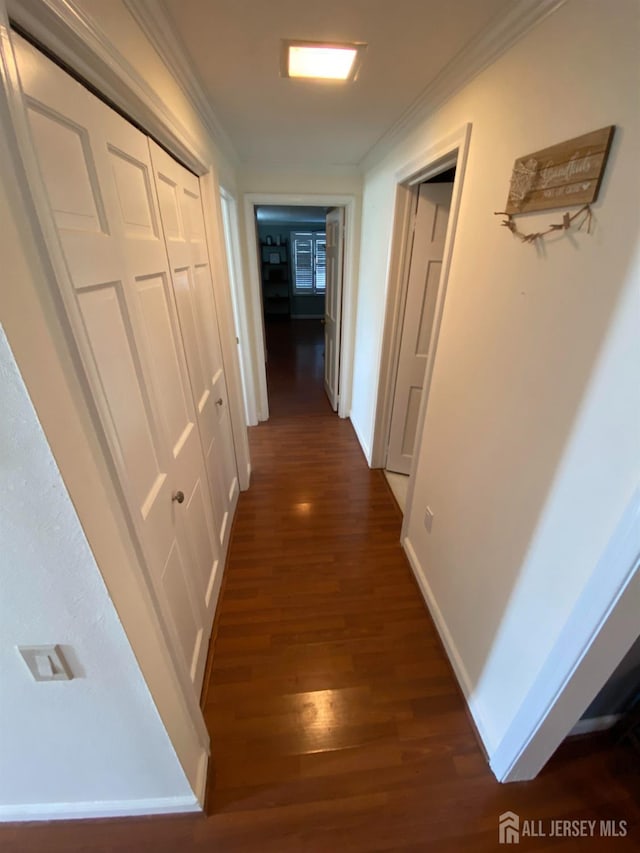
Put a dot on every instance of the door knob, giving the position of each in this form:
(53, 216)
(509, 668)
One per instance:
(178, 497)
(219, 401)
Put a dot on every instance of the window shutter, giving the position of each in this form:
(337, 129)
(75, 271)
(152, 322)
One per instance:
(309, 256)
(303, 262)
(321, 262)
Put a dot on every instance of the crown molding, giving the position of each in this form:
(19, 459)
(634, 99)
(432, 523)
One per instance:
(75, 39)
(484, 49)
(154, 19)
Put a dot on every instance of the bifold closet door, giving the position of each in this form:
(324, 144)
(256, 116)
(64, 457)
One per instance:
(120, 302)
(184, 230)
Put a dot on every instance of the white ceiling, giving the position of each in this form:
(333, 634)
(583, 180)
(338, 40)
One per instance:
(234, 46)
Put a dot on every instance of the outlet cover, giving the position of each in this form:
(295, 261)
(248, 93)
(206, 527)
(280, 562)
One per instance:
(46, 663)
(428, 519)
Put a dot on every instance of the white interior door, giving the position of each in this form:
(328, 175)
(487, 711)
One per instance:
(432, 217)
(333, 304)
(183, 222)
(97, 172)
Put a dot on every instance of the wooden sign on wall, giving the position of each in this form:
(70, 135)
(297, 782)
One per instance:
(560, 176)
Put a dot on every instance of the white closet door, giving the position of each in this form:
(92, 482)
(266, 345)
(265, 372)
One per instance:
(183, 222)
(97, 173)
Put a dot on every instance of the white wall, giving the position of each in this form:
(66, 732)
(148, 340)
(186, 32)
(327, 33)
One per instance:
(97, 739)
(530, 450)
(341, 180)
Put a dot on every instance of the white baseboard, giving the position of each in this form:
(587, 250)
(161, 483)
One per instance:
(110, 808)
(594, 724)
(447, 641)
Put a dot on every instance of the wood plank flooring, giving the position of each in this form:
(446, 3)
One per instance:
(336, 723)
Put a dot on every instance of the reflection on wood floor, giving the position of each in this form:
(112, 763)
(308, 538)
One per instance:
(336, 723)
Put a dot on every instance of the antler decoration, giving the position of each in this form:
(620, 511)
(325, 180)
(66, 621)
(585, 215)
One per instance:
(567, 221)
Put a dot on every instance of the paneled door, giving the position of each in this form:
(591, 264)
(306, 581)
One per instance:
(119, 298)
(184, 229)
(432, 218)
(333, 304)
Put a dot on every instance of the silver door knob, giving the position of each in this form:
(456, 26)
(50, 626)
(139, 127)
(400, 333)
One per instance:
(219, 401)
(178, 497)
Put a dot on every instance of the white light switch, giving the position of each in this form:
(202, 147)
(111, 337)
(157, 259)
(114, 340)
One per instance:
(428, 519)
(44, 666)
(46, 663)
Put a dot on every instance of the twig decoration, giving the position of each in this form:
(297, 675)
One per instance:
(566, 223)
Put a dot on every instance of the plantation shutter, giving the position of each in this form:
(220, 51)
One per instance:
(303, 261)
(309, 254)
(321, 262)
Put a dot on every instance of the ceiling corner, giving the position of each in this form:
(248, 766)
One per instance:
(483, 50)
(154, 19)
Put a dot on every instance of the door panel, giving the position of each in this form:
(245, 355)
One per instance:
(430, 232)
(97, 173)
(181, 210)
(188, 310)
(162, 359)
(68, 171)
(174, 584)
(333, 304)
(427, 308)
(111, 347)
(131, 179)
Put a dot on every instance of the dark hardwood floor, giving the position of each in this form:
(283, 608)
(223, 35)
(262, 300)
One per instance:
(336, 723)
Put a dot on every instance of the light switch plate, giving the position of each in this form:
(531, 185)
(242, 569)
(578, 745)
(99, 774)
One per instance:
(428, 519)
(46, 663)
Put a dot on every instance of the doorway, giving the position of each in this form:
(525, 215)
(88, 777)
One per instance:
(278, 295)
(292, 241)
(293, 278)
(429, 231)
(438, 170)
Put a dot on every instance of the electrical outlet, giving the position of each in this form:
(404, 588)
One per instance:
(428, 519)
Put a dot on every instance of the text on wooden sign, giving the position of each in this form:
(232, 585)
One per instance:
(565, 174)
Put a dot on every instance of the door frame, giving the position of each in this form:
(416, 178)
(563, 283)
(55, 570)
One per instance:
(348, 202)
(452, 150)
(236, 284)
(328, 319)
(52, 369)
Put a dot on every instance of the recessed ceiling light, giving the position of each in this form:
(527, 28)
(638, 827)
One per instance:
(321, 61)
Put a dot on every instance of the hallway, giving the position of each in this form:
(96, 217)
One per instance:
(336, 723)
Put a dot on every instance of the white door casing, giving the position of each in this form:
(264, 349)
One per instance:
(432, 217)
(333, 304)
(97, 173)
(230, 231)
(183, 223)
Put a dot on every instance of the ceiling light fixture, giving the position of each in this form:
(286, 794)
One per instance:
(321, 61)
